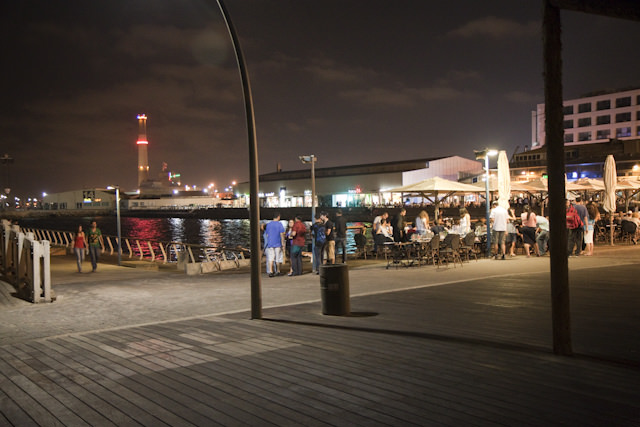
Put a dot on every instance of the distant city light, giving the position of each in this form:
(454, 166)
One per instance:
(142, 142)
(175, 191)
(44, 194)
(142, 116)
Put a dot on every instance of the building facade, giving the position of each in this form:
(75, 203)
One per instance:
(354, 185)
(597, 117)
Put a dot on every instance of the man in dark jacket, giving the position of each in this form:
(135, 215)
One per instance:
(398, 226)
(341, 235)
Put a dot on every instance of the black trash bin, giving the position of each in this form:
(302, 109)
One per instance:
(334, 289)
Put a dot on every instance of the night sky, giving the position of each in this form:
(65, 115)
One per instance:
(351, 81)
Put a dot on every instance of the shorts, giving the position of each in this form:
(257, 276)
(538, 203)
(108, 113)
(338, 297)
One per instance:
(588, 237)
(330, 249)
(273, 254)
(499, 237)
(511, 237)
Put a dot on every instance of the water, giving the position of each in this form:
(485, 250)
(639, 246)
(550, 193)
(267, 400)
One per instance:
(226, 233)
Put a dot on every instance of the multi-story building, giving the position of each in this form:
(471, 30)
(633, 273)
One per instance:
(597, 117)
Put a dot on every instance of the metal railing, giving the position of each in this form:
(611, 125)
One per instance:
(191, 257)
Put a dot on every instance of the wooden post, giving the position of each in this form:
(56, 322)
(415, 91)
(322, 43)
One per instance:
(559, 266)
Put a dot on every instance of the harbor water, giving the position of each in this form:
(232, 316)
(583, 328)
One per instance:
(225, 233)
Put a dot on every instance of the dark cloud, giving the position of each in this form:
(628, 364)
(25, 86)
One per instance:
(351, 81)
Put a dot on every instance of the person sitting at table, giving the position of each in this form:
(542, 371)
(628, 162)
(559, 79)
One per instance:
(384, 233)
(437, 226)
(422, 223)
(481, 227)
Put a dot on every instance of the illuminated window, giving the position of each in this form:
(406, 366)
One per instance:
(623, 132)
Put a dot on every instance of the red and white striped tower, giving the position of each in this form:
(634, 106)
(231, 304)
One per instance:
(143, 159)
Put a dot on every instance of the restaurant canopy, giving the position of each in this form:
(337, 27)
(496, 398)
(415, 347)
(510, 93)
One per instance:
(435, 190)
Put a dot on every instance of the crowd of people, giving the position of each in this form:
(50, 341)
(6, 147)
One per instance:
(509, 232)
(329, 237)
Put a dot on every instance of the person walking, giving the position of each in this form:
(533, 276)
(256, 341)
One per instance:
(96, 243)
(341, 235)
(299, 233)
(79, 246)
(274, 240)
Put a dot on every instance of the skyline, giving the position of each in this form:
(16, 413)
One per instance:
(352, 82)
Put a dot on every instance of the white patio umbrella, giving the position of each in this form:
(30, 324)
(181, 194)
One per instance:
(610, 181)
(432, 188)
(504, 180)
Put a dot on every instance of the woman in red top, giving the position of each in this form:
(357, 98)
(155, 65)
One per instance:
(79, 246)
(299, 232)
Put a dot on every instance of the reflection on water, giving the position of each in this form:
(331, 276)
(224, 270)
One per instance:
(228, 233)
(147, 229)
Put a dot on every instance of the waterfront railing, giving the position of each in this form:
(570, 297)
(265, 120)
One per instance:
(193, 258)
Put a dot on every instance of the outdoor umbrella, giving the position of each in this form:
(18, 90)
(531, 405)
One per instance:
(610, 181)
(504, 180)
(431, 189)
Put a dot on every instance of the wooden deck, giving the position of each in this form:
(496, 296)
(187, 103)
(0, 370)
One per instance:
(470, 353)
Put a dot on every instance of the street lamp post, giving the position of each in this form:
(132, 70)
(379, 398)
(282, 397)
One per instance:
(118, 226)
(7, 160)
(311, 159)
(485, 154)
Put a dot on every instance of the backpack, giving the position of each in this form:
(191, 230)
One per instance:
(320, 233)
(573, 219)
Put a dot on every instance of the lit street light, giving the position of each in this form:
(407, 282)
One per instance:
(485, 154)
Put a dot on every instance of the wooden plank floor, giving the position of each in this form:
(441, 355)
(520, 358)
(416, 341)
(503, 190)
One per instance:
(470, 353)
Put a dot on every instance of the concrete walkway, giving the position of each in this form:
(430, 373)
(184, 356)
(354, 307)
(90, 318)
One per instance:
(423, 346)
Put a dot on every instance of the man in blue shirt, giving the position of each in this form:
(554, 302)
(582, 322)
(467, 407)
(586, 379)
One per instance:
(274, 241)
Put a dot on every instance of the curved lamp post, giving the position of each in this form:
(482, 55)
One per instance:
(254, 207)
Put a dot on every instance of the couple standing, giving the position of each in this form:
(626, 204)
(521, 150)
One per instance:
(93, 240)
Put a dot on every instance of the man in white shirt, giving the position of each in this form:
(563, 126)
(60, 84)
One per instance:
(499, 218)
(543, 234)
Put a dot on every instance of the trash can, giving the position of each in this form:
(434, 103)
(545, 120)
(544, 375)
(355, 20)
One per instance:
(334, 289)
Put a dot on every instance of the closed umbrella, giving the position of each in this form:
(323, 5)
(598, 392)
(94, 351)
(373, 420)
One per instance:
(504, 180)
(610, 181)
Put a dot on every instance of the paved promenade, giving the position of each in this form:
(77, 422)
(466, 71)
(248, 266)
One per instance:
(423, 346)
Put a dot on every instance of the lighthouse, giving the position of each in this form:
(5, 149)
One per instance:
(143, 159)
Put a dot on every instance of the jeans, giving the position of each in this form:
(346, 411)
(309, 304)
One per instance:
(542, 240)
(340, 243)
(317, 256)
(94, 253)
(296, 260)
(574, 239)
(79, 257)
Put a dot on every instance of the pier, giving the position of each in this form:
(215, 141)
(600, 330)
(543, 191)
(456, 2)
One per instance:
(422, 346)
